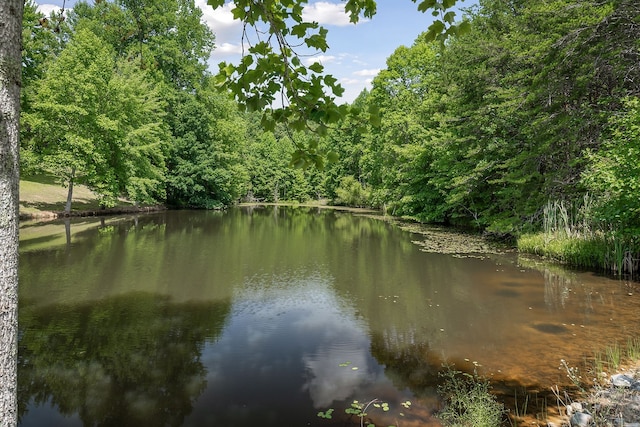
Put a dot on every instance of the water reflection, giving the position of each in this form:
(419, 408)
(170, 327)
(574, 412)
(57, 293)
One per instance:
(281, 352)
(127, 360)
(267, 316)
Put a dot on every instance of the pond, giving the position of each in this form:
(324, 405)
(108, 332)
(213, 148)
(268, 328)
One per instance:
(269, 315)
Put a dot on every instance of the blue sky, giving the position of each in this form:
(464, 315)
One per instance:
(356, 52)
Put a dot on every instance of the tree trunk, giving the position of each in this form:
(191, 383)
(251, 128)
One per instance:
(10, 69)
(67, 207)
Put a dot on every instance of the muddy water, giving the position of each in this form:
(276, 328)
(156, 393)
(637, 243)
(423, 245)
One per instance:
(268, 316)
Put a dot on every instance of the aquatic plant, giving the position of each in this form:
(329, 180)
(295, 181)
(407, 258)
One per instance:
(614, 356)
(469, 401)
(633, 349)
(359, 409)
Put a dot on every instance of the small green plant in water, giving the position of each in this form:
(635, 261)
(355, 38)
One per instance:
(614, 356)
(633, 349)
(326, 414)
(469, 402)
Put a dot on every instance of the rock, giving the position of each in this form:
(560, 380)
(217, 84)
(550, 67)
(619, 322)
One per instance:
(580, 419)
(577, 407)
(622, 380)
(573, 408)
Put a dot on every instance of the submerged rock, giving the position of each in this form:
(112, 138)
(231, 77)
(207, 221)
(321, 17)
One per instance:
(580, 419)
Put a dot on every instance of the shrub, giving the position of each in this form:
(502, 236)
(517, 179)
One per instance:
(351, 193)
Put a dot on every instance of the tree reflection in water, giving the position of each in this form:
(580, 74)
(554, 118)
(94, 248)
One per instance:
(125, 360)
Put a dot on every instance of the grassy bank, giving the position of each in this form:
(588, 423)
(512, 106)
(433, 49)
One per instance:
(42, 197)
(609, 254)
(572, 236)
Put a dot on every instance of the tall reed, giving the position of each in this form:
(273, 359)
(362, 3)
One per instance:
(572, 233)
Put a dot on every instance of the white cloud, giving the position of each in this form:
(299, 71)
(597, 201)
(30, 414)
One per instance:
(347, 81)
(228, 31)
(228, 49)
(47, 8)
(327, 13)
(322, 59)
(367, 73)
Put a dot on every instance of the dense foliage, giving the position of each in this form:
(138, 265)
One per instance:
(534, 102)
(538, 103)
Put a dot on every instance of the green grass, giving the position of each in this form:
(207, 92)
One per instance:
(41, 194)
(571, 234)
(594, 252)
(633, 349)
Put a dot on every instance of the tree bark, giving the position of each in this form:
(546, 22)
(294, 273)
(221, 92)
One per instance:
(67, 207)
(10, 74)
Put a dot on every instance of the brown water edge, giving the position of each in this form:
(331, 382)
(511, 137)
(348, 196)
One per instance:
(524, 384)
(523, 381)
(521, 375)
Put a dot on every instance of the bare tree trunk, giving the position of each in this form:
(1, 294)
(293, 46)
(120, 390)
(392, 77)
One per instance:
(67, 207)
(10, 69)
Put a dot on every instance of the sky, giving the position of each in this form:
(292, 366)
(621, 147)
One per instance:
(356, 52)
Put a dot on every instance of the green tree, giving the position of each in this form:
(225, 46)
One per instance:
(351, 193)
(271, 70)
(272, 178)
(406, 93)
(205, 164)
(166, 37)
(613, 174)
(348, 141)
(99, 123)
(40, 46)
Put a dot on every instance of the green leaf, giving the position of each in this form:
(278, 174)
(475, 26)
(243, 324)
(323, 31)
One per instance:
(316, 67)
(268, 123)
(448, 3)
(300, 30)
(434, 30)
(261, 48)
(426, 5)
(463, 28)
(449, 17)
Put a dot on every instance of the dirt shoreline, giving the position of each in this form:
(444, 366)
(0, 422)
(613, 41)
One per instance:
(53, 215)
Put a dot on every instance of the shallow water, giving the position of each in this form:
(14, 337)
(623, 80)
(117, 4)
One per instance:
(267, 316)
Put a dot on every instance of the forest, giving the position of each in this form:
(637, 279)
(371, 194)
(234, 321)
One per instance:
(524, 126)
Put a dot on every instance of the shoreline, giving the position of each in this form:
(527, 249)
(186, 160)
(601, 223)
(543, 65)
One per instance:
(54, 215)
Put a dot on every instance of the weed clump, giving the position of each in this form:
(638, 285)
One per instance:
(469, 402)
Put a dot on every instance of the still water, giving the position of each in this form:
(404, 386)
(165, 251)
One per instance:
(267, 316)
